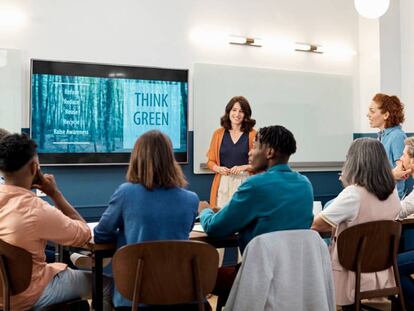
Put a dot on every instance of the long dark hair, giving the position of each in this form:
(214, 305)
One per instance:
(248, 123)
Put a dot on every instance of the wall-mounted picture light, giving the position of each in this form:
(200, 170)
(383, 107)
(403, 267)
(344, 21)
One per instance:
(239, 40)
(305, 47)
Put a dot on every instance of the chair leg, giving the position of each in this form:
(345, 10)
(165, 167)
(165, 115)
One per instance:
(401, 301)
(398, 283)
(221, 301)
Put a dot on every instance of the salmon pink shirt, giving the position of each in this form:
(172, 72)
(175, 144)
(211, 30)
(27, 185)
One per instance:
(29, 222)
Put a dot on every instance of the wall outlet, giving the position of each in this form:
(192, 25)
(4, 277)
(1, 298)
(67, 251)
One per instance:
(40, 193)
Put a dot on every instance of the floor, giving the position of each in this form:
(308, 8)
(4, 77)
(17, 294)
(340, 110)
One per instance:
(384, 306)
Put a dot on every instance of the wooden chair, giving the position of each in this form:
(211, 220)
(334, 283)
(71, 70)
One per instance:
(16, 274)
(371, 247)
(165, 272)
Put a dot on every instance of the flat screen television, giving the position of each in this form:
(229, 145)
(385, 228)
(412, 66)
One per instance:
(86, 113)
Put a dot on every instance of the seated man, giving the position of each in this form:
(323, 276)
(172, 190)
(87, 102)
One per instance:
(405, 168)
(29, 222)
(277, 199)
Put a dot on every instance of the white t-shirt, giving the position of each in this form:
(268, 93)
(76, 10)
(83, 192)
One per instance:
(407, 206)
(345, 207)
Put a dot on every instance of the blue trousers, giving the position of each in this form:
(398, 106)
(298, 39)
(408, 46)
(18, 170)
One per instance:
(71, 284)
(405, 263)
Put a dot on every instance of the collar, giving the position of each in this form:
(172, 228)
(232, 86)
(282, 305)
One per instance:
(15, 189)
(388, 130)
(280, 168)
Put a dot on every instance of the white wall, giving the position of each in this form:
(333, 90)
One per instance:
(396, 69)
(390, 47)
(10, 90)
(407, 60)
(368, 71)
(161, 33)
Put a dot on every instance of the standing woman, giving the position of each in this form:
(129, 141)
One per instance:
(387, 114)
(229, 148)
(152, 205)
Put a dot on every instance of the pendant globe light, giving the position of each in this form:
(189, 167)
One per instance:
(371, 8)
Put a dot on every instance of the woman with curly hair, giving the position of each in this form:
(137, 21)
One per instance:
(387, 114)
(229, 148)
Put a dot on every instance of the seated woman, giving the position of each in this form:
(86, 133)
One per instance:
(369, 195)
(152, 205)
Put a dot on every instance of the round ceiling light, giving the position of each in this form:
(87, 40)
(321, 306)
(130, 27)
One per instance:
(372, 8)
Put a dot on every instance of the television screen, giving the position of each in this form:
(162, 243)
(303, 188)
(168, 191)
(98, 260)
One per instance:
(83, 113)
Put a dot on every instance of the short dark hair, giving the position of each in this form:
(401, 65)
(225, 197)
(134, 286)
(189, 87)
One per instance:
(279, 138)
(152, 162)
(248, 123)
(393, 106)
(367, 166)
(16, 150)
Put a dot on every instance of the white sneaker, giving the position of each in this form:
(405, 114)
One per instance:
(84, 261)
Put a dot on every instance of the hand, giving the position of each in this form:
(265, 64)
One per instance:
(216, 209)
(46, 183)
(236, 170)
(202, 206)
(222, 170)
(399, 172)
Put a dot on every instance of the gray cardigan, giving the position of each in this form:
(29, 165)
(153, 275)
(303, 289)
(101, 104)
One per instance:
(284, 270)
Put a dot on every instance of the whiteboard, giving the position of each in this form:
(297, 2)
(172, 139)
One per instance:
(315, 107)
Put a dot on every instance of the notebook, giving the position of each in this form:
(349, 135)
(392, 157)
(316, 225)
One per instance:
(91, 226)
(198, 228)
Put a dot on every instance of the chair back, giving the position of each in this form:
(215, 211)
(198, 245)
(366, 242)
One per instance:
(284, 270)
(372, 245)
(15, 271)
(165, 272)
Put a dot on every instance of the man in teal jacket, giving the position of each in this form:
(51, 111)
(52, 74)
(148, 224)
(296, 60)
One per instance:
(277, 199)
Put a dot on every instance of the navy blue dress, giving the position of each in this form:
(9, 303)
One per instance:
(234, 154)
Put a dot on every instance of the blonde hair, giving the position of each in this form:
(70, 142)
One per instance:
(409, 142)
(152, 162)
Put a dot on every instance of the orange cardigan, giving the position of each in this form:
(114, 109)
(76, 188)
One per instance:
(213, 155)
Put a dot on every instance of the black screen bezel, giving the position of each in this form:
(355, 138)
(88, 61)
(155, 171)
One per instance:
(70, 68)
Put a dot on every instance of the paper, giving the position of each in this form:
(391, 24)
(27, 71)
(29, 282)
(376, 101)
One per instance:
(91, 226)
(198, 228)
(317, 207)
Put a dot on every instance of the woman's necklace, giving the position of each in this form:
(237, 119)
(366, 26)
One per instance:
(235, 135)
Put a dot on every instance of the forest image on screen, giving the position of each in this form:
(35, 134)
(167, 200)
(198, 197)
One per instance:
(79, 114)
